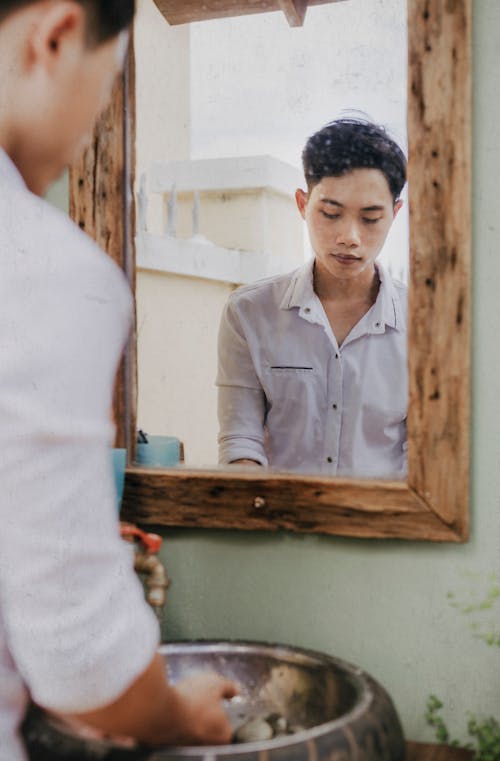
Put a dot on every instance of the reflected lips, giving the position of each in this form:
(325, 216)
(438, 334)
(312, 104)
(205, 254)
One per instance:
(345, 258)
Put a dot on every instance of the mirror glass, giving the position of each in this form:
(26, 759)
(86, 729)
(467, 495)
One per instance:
(224, 109)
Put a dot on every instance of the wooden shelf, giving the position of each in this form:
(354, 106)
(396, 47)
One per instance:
(185, 11)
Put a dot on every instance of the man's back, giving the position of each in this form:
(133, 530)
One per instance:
(65, 575)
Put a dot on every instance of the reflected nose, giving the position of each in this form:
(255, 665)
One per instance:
(348, 236)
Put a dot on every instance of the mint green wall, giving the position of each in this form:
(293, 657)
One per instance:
(381, 604)
(58, 193)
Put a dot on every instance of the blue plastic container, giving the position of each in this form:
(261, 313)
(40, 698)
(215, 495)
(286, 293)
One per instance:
(119, 463)
(159, 452)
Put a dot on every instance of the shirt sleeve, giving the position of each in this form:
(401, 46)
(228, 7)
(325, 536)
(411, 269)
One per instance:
(74, 614)
(241, 400)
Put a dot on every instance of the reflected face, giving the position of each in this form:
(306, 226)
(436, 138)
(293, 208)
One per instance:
(348, 219)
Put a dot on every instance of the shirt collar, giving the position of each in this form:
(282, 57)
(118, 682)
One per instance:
(300, 291)
(386, 311)
(10, 176)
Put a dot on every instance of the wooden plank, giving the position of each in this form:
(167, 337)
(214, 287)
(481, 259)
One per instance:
(101, 205)
(96, 184)
(294, 10)
(185, 11)
(216, 499)
(439, 129)
(130, 391)
(433, 752)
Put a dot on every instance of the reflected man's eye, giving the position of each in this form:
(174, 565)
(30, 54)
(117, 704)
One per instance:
(330, 216)
(369, 221)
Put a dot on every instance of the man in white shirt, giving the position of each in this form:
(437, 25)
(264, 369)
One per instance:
(312, 371)
(76, 635)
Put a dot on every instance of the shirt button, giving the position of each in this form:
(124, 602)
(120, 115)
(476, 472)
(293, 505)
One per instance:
(329, 459)
(377, 325)
(307, 310)
(336, 356)
(334, 406)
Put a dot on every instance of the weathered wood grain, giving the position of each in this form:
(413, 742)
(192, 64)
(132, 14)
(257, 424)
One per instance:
(294, 10)
(130, 389)
(100, 203)
(439, 129)
(216, 499)
(185, 11)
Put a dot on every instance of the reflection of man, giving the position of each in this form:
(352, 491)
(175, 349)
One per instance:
(313, 364)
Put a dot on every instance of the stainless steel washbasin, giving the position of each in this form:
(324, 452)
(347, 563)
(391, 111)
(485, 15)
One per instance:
(332, 710)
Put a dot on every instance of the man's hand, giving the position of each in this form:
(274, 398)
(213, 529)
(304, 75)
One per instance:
(206, 722)
(156, 712)
(246, 461)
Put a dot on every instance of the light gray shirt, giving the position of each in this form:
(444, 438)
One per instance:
(291, 398)
(75, 631)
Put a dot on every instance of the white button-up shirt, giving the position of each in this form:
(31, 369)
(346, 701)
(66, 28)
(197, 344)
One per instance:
(291, 398)
(74, 628)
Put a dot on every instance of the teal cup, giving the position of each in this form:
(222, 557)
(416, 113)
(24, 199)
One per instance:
(159, 452)
(119, 458)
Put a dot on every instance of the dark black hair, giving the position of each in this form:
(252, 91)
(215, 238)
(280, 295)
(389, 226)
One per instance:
(347, 144)
(105, 18)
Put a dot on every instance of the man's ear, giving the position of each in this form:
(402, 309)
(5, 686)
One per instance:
(57, 26)
(301, 201)
(397, 207)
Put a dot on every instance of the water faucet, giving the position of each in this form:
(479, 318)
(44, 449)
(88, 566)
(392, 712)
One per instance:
(148, 565)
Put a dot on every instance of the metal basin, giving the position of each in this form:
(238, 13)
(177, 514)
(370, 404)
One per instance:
(341, 713)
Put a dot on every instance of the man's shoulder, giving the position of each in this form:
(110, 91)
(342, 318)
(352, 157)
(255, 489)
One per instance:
(397, 292)
(400, 291)
(398, 287)
(269, 290)
(397, 283)
(44, 243)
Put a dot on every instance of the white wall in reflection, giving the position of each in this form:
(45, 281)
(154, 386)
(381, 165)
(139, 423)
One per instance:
(258, 86)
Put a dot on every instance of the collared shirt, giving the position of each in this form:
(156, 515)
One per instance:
(291, 398)
(75, 631)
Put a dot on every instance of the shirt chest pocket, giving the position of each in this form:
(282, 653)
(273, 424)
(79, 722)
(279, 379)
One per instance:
(292, 384)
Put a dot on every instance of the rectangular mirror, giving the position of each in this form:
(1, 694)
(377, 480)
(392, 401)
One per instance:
(433, 502)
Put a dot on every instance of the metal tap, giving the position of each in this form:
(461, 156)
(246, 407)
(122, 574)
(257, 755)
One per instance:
(148, 565)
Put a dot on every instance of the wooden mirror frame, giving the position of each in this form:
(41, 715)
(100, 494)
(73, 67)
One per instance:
(433, 504)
